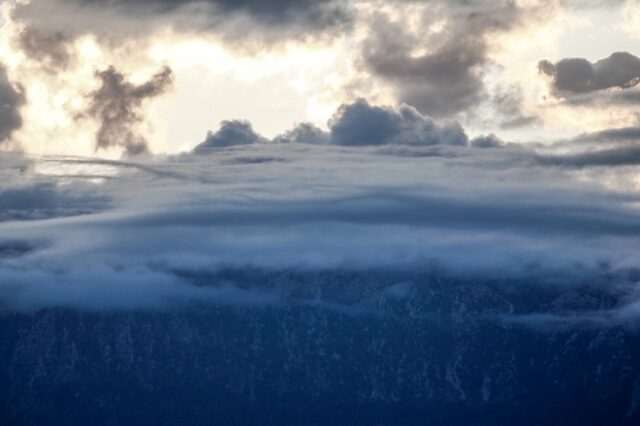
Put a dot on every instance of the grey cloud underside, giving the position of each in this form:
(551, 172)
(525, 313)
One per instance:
(488, 141)
(265, 21)
(360, 123)
(271, 11)
(448, 78)
(117, 106)
(304, 133)
(12, 98)
(607, 148)
(417, 210)
(353, 124)
(231, 132)
(403, 129)
(621, 156)
(577, 75)
(46, 200)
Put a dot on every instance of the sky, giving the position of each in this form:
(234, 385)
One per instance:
(280, 63)
(140, 140)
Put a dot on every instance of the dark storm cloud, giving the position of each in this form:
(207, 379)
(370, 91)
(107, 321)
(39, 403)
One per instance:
(12, 98)
(117, 106)
(448, 78)
(578, 75)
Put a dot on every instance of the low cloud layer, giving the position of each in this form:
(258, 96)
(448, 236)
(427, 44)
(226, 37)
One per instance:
(155, 234)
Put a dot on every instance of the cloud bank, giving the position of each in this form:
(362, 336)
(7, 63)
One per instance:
(399, 187)
(108, 235)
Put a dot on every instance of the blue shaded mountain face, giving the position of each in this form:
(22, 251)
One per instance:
(330, 347)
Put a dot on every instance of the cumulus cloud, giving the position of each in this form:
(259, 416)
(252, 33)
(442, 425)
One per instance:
(362, 124)
(303, 133)
(578, 75)
(355, 124)
(231, 132)
(12, 98)
(117, 104)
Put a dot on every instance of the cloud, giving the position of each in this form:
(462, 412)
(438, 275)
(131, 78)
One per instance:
(489, 141)
(105, 289)
(303, 133)
(362, 124)
(157, 234)
(12, 98)
(46, 200)
(621, 156)
(509, 104)
(577, 75)
(231, 132)
(10, 249)
(606, 148)
(49, 49)
(258, 20)
(355, 124)
(117, 105)
(403, 131)
(448, 77)
(619, 134)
